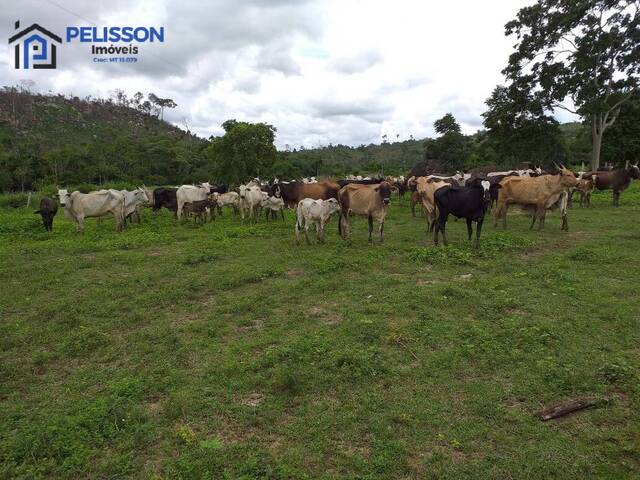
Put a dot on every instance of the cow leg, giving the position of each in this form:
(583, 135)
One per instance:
(533, 219)
(469, 228)
(80, 224)
(298, 227)
(370, 218)
(382, 231)
(281, 213)
(478, 230)
(543, 214)
(444, 233)
(616, 198)
(266, 217)
(413, 209)
(496, 216)
(306, 232)
(504, 215)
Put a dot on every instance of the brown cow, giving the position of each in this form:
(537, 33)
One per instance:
(426, 188)
(293, 192)
(616, 180)
(371, 201)
(539, 192)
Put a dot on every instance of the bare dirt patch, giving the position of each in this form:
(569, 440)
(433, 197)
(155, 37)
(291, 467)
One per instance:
(422, 283)
(294, 273)
(253, 399)
(326, 317)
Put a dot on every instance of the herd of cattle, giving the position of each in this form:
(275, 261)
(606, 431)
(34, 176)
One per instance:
(468, 195)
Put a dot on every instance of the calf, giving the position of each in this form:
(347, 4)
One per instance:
(585, 187)
(371, 201)
(316, 212)
(616, 180)
(48, 210)
(199, 209)
(191, 193)
(272, 205)
(470, 202)
(229, 198)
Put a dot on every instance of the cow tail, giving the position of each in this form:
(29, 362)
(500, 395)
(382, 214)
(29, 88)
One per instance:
(299, 217)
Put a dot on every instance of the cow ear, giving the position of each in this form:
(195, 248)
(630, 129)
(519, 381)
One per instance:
(376, 189)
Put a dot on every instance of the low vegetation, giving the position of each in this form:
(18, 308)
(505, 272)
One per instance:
(226, 351)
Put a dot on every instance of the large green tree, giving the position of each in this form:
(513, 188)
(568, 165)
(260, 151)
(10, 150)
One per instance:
(519, 129)
(245, 150)
(579, 55)
(452, 148)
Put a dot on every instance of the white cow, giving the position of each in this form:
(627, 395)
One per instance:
(132, 202)
(250, 200)
(316, 212)
(79, 206)
(191, 193)
(229, 198)
(273, 205)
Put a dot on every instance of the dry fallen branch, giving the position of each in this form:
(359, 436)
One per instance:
(565, 408)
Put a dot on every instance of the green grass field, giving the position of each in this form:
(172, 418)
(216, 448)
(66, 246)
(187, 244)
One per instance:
(228, 352)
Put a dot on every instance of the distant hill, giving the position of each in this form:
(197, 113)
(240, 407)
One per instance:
(47, 139)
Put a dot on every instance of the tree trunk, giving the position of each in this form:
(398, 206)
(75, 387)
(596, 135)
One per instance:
(597, 129)
(595, 154)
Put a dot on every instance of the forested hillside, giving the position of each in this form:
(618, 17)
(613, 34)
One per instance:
(52, 139)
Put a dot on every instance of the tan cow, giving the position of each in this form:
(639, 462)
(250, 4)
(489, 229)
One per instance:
(426, 188)
(371, 201)
(539, 192)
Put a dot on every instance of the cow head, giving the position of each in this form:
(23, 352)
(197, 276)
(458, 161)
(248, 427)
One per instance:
(486, 195)
(62, 196)
(332, 206)
(141, 195)
(567, 178)
(243, 191)
(634, 171)
(384, 190)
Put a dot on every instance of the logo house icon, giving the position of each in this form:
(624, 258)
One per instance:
(37, 45)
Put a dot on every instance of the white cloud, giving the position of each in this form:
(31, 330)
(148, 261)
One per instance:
(321, 71)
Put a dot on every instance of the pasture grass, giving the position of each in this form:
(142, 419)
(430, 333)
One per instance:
(227, 351)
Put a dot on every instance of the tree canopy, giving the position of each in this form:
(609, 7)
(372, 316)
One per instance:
(581, 56)
(245, 150)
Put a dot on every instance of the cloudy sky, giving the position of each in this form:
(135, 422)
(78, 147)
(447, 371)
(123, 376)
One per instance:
(326, 71)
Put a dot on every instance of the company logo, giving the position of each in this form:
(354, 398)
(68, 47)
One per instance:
(38, 47)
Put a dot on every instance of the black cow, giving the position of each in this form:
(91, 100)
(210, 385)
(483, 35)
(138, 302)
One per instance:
(470, 202)
(165, 197)
(223, 188)
(48, 210)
